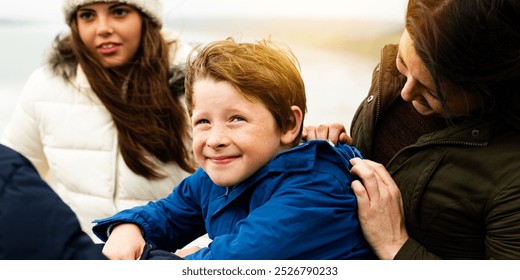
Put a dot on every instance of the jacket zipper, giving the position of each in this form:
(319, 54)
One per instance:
(379, 85)
(438, 142)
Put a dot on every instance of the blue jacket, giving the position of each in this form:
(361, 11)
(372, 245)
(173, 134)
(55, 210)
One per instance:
(34, 222)
(298, 206)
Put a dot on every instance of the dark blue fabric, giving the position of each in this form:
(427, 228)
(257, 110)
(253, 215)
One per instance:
(299, 206)
(34, 222)
(151, 254)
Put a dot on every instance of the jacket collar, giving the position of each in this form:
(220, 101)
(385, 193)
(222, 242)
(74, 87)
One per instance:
(81, 78)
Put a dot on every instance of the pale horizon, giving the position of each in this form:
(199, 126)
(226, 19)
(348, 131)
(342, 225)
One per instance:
(386, 10)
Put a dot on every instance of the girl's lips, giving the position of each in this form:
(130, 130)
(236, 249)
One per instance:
(108, 49)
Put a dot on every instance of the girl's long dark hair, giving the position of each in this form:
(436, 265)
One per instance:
(149, 117)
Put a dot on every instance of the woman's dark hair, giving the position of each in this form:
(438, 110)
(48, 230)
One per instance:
(473, 44)
(149, 117)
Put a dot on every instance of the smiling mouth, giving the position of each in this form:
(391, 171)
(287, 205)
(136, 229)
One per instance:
(107, 46)
(108, 49)
(222, 160)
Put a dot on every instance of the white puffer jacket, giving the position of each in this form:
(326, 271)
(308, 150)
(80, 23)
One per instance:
(66, 132)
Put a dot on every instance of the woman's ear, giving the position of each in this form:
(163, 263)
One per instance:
(291, 134)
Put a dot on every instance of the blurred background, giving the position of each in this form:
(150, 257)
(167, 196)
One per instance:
(337, 42)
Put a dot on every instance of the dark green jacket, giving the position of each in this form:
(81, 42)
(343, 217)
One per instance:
(460, 185)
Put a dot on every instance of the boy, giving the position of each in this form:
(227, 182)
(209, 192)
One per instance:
(259, 192)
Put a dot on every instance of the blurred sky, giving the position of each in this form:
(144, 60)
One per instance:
(50, 10)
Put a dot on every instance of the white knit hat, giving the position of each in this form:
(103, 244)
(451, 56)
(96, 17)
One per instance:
(152, 8)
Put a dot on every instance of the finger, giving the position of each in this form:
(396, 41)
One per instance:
(367, 176)
(363, 201)
(344, 138)
(382, 173)
(322, 132)
(337, 134)
(337, 128)
(360, 192)
(310, 132)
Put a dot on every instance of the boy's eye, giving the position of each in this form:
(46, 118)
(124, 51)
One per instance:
(203, 121)
(238, 119)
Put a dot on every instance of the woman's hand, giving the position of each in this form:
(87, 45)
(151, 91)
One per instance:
(124, 243)
(380, 208)
(334, 132)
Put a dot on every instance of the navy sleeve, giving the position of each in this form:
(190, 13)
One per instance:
(36, 223)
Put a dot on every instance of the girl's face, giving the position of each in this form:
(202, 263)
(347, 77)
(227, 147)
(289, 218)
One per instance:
(420, 90)
(233, 137)
(111, 30)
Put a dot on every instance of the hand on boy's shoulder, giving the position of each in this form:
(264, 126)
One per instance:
(335, 132)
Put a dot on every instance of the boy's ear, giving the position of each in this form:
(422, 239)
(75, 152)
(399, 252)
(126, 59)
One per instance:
(291, 134)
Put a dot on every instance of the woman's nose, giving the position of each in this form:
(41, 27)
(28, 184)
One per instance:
(104, 27)
(410, 90)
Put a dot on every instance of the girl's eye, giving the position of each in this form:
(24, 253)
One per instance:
(120, 12)
(85, 15)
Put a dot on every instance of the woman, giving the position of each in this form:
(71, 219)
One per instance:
(443, 120)
(104, 120)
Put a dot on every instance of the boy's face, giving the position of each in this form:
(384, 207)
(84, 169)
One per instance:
(232, 136)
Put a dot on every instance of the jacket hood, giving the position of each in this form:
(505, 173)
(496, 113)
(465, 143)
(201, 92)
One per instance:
(62, 65)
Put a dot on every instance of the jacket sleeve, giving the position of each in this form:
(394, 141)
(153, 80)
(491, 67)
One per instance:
(502, 221)
(412, 250)
(22, 132)
(501, 225)
(168, 223)
(41, 225)
(286, 225)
